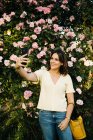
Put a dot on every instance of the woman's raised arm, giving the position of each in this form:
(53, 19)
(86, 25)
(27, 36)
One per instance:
(22, 62)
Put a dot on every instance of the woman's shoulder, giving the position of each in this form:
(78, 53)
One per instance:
(41, 71)
(67, 76)
(43, 68)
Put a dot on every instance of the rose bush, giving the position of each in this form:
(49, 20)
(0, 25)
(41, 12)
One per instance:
(37, 27)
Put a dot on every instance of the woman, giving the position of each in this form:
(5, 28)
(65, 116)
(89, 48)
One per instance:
(56, 100)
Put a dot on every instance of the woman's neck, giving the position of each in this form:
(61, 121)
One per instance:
(54, 72)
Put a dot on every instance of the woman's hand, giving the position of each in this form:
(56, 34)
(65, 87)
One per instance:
(21, 61)
(64, 124)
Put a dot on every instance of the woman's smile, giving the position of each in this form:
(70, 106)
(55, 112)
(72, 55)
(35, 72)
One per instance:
(54, 61)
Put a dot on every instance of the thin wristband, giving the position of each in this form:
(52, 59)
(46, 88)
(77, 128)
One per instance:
(71, 103)
(67, 118)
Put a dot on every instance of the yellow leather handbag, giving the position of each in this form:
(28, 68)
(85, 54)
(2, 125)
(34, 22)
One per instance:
(77, 128)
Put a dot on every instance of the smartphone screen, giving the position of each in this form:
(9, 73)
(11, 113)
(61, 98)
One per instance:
(24, 51)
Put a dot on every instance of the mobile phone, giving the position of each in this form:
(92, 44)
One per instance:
(24, 51)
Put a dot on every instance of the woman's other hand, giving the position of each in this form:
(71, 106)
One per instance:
(64, 124)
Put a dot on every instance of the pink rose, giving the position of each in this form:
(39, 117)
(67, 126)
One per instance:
(41, 21)
(70, 63)
(40, 8)
(23, 106)
(1, 49)
(34, 36)
(19, 26)
(72, 18)
(30, 104)
(7, 62)
(45, 49)
(52, 46)
(13, 57)
(12, 14)
(81, 36)
(41, 54)
(15, 44)
(31, 24)
(70, 34)
(6, 17)
(54, 18)
(27, 94)
(65, 1)
(1, 58)
(1, 21)
(79, 102)
(88, 63)
(79, 79)
(37, 30)
(26, 38)
(44, 62)
(46, 10)
(32, 2)
(20, 44)
(64, 7)
(79, 90)
(23, 14)
(35, 45)
(73, 59)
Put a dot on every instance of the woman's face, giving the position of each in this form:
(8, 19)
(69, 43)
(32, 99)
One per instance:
(54, 62)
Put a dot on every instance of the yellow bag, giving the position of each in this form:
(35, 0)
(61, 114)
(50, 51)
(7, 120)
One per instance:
(77, 128)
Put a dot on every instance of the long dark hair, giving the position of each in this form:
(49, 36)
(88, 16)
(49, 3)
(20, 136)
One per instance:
(62, 58)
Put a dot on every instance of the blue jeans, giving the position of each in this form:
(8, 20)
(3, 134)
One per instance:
(49, 121)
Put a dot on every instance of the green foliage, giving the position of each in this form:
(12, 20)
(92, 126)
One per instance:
(87, 12)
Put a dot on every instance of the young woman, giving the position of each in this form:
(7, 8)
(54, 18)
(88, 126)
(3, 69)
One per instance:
(56, 100)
